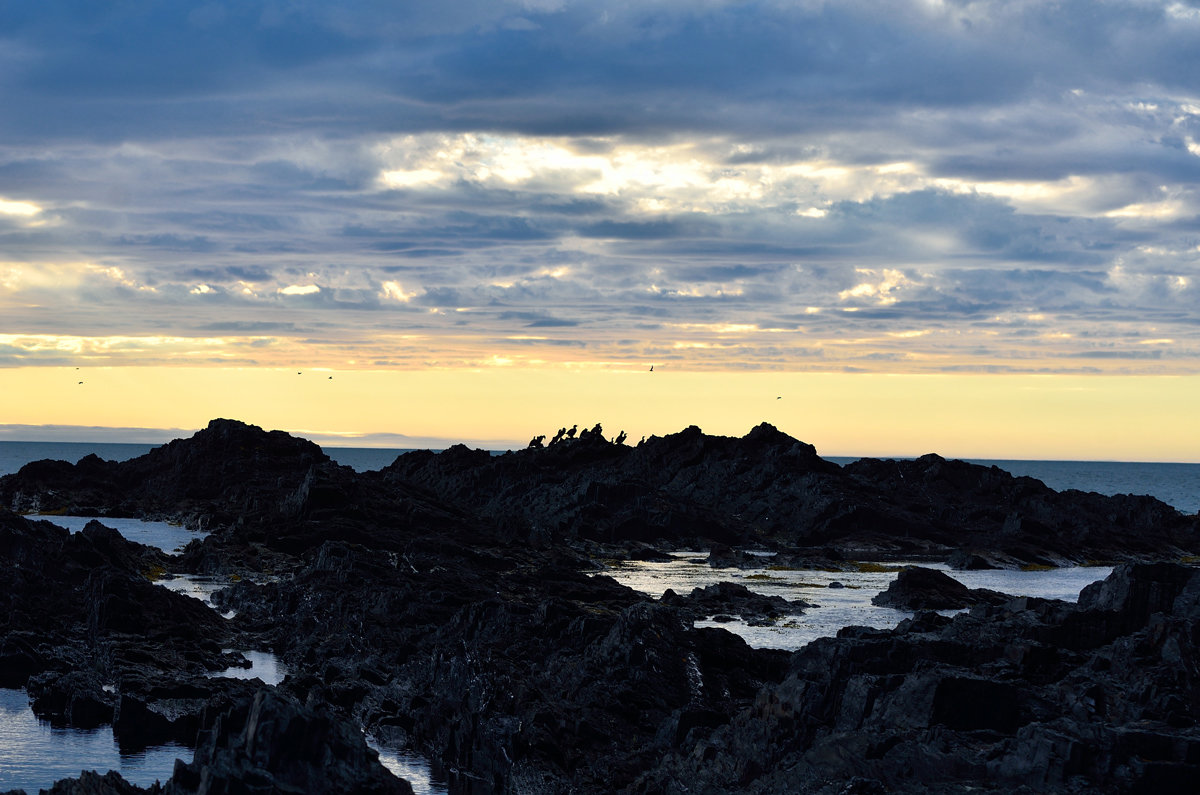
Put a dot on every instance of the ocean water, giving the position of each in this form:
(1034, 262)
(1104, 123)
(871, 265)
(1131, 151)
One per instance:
(34, 754)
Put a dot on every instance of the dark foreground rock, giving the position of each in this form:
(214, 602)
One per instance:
(265, 744)
(92, 783)
(1033, 695)
(730, 598)
(449, 604)
(271, 744)
(80, 611)
(765, 489)
(522, 674)
(919, 588)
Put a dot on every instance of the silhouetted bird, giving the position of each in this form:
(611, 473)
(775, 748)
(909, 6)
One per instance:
(81, 382)
(652, 368)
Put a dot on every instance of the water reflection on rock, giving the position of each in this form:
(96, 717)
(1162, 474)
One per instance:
(263, 665)
(34, 754)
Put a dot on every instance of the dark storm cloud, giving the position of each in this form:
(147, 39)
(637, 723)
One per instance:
(573, 68)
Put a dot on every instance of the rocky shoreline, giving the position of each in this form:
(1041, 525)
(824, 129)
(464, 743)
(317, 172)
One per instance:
(451, 603)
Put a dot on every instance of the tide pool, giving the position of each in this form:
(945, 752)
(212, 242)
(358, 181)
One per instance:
(847, 603)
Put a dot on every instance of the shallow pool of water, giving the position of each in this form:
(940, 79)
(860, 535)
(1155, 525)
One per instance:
(849, 605)
(33, 754)
(263, 665)
(197, 586)
(168, 537)
(412, 767)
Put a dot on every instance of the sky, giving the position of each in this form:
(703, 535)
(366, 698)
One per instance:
(486, 219)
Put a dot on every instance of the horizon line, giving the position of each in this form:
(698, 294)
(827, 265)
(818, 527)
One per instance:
(104, 434)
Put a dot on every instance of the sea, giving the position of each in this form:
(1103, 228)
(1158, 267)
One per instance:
(33, 754)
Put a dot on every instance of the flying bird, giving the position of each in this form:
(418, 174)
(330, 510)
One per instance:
(652, 368)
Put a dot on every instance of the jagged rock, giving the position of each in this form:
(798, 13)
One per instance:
(226, 472)
(92, 783)
(271, 744)
(687, 488)
(1009, 696)
(964, 560)
(728, 597)
(445, 600)
(919, 588)
(83, 602)
(77, 698)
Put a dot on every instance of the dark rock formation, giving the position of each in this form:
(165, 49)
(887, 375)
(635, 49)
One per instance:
(768, 489)
(684, 489)
(92, 783)
(735, 599)
(521, 672)
(271, 744)
(227, 470)
(447, 603)
(919, 588)
(1039, 694)
(77, 609)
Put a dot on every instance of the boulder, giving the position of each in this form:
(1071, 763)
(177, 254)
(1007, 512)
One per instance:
(728, 597)
(919, 588)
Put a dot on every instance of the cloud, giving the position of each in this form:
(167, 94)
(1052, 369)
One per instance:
(329, 178)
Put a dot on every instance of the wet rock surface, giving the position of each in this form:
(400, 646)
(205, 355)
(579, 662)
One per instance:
(734, 599)
(270, 743)
(919, 588)
(450, 604)
(1033, 695)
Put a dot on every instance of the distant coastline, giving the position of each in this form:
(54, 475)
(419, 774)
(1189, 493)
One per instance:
(152, 437)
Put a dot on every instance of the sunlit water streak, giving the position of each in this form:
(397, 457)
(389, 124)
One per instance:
(412, 767)
(849, 605)
(197, 586)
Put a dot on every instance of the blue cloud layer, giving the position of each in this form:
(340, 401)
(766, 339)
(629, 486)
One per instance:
(910, 186)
